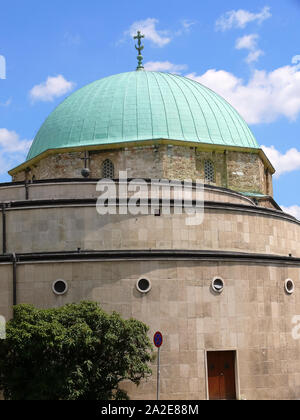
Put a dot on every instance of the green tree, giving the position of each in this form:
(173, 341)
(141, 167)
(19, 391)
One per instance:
(76, 352)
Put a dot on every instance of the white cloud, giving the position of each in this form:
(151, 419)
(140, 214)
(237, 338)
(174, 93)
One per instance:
(2, 67)
(264, 98)
(296, 61)
(148, 28)
(249, 42)
(54, 87)
(254, 56)
(293, 210)
(283, 163)
(185, 27)
(240, 18)
(13, 150)
(187, 24)
(164, 66)
(159, 38)
(10, 142)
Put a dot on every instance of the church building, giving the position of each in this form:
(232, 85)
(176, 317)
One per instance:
(224, 293)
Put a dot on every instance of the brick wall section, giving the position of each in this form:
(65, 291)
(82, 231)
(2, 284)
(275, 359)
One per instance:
(239, 171)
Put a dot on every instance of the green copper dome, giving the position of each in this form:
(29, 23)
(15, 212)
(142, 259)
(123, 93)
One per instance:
(142, 105)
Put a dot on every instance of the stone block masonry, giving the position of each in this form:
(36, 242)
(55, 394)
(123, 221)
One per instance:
(235, 170)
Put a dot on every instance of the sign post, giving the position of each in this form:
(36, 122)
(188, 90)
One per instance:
(158, 340)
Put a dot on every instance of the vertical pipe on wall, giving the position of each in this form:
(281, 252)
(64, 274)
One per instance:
(4, 229)
(14, 262)
(26, 190)
(267, 181)
(226, 168)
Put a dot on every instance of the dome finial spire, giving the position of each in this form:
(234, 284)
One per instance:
(140, 48)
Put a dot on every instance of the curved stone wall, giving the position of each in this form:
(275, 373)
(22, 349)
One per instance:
(87, 189)
(253, 316)
(61, 226)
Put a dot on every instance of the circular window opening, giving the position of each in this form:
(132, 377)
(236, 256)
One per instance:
(217, 285)
(143, 285)
(59, 287)
(289, 286)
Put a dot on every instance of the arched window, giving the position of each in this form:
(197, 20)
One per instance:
(108, 170)
(209, 171)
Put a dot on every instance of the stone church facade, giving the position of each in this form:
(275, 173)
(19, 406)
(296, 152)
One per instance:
(224, 293)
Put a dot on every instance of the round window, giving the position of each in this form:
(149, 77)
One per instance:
(289, 286)
(60, 287)
(217, 285)
(143, 285)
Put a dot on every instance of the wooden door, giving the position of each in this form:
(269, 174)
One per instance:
(221, 375)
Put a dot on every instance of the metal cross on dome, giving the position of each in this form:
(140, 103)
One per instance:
(140, 48)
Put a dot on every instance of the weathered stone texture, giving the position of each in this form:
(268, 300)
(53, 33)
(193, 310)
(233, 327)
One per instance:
(245, 172)
(239, 171)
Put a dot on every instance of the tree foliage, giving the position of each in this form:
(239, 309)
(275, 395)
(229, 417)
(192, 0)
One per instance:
(74, 352)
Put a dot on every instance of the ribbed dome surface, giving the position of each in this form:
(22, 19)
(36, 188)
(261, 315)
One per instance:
(142, 105)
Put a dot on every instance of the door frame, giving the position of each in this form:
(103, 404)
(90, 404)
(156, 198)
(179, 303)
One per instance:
(236, 370)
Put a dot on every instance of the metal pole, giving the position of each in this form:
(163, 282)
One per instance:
(26, 190)
(158, 373)
(14, 279)
(3, 229)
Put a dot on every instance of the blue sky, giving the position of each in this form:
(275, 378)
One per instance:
(248, 51)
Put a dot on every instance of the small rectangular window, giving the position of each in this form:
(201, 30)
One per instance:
(209, 171)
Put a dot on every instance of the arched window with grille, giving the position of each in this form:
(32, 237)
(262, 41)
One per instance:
(108, 170)
(209, 172)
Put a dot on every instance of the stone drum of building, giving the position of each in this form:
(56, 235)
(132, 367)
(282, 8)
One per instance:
(224, 292)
